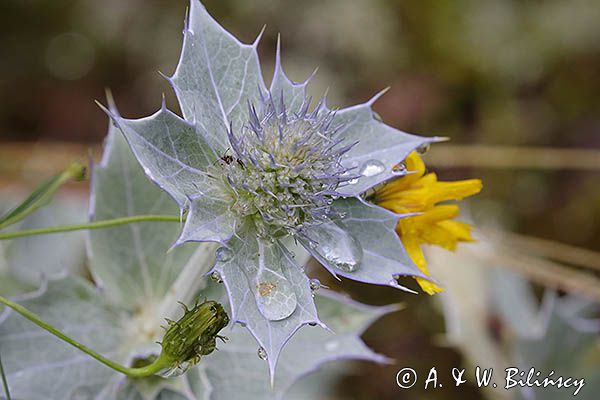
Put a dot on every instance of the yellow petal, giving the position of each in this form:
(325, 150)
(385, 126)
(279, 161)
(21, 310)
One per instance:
(414, 251)
(394, 206)
(442, 213)
(391, 188)
(461, 230)
(414, 163)
(435, 234)
(411, 244)
(429, 287)
(443, 191)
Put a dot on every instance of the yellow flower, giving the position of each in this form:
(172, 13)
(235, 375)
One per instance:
(420, 192)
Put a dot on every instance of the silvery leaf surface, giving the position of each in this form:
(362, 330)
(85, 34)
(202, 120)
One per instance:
(568, 345)
(379, 147)
(373, 229)
(39, 366)
(216, 77)
(171, 395)
(283, 89)
(131, 261)
(320, 384)
(177, 158)
(307, 351)
(9, 285)
(152, 388)
(27, 258)
(268, 292)
(174, 155)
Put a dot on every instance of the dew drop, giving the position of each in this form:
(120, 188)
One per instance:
(337, 247)
(332, 345)
(315, 284)
(274, 295)
(216, 277)
(262, 353)
(312, 323)
(223, 254)
(174, 371)
(424, 148)
(396, 276)
(371, 168)
(353, 181)
(393, 282)
(399, 169)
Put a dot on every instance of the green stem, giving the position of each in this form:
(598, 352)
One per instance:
(42, 195)
(4, 381)
(91, 225)
(160, 363)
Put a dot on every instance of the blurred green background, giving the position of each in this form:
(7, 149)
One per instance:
(494, 73)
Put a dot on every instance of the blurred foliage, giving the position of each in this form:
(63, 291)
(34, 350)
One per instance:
(513, 72)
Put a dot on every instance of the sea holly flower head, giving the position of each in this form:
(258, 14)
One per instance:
(256, 168)
(284, 168)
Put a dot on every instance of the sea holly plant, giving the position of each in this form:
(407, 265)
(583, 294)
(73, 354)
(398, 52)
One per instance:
(263, 177)
(252, 167)
(117, 320)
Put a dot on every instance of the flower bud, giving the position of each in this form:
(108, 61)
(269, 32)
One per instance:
(194, 334)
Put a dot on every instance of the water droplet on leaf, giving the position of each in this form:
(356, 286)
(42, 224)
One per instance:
(332, 345)
(274, 295)
(216, 276)
(262, 353)
(399, 169)
(315, 285)
(223, 254)
(372, 168)
(337, 247)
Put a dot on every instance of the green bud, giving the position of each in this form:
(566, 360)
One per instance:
(76, 171)
(194, 334)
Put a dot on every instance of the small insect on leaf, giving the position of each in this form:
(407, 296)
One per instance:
(227, 159)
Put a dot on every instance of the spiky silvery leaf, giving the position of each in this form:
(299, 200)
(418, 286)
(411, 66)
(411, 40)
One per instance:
(252, 166)
(347, 318)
